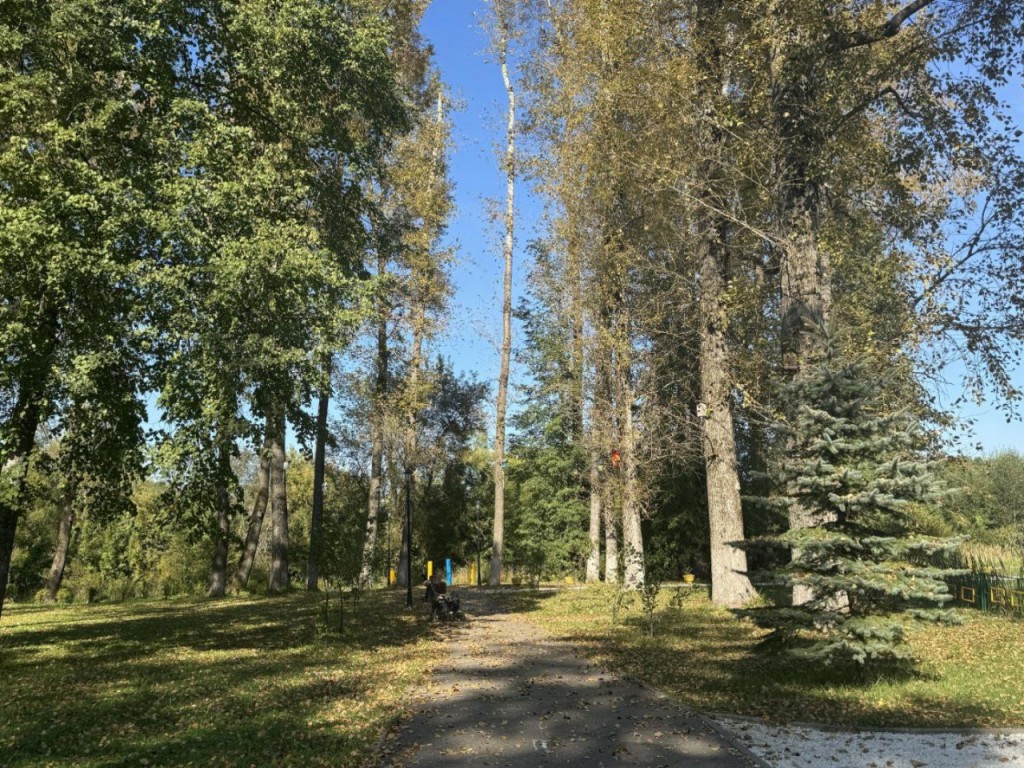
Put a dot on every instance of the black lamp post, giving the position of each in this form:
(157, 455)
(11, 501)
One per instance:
(408, 537)
(380, 511)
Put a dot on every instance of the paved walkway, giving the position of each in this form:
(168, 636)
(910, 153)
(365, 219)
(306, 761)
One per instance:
(507, 694)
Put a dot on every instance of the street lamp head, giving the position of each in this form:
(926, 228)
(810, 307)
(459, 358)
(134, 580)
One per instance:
(408, 473)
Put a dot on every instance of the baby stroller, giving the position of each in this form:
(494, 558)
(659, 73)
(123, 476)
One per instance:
(443, 604)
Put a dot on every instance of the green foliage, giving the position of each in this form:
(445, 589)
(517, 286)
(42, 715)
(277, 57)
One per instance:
(546, 526)
(181, 210)
(855, 469)
(649, 601)
(989, 505)
(547, 495)
(344, 518)
(147, 551)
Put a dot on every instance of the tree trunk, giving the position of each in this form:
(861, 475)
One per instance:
(577, 404)
(806, 289)
(279, 578)
(376, 443)
(594, 558)
(611, 541)
(602, 432)
(506, 316)
(370, 542)
(805, 306)
(316, 545)
(259, 510)
(805, 300)
(27, 414)
(632, 537)
(222, 504)
(411, 426)
(60, 554)
(401, 578)
(8, 527)
(730, 585)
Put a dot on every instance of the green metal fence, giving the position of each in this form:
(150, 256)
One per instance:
(988, 591)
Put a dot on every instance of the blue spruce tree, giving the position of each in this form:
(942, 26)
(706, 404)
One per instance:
(858, 468)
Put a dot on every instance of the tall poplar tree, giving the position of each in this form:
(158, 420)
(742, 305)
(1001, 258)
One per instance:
(415, 205)
(86, 92)
(504, 27)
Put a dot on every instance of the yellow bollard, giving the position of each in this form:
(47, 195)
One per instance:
(391, 577)
(430, 568)
(472, 574)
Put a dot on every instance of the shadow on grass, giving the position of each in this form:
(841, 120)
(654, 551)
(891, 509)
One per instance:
(230, 682)
(490, 601)
(713, 662)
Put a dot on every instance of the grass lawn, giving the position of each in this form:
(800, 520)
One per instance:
(969, 675)
(234, 682)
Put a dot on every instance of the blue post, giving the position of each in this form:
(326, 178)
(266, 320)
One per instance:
(448, 570)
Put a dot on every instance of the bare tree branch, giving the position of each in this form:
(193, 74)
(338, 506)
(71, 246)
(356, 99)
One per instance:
(889, 29)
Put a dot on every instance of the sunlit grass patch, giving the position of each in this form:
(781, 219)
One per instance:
(234, 682)
(968, 675)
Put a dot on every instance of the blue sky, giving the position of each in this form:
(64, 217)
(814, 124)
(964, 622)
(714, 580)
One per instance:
(473, 335)
(474, 331)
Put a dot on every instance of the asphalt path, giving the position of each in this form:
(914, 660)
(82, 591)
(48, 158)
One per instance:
(507, 694)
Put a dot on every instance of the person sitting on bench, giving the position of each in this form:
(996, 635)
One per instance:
(440, 601)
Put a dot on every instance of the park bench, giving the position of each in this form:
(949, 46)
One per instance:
(443, 604)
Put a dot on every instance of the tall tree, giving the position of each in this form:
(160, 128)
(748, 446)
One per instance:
(854, 110)
(273, 201)
(417, 197)
(319, 479)
(377, 426)
(87, 91)
(859, 464)
(259, 510)
(503, 30)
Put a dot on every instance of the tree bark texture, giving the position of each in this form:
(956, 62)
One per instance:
(222, 511)
(805, 280)
(611, 540)
(401, 578)
(730, 585)
(805, 301)
(259, 510)
(594, 557)
(376, 444)
(632, 537)
(279, 578)
(316, 520)
(60, 554)
(506, 317)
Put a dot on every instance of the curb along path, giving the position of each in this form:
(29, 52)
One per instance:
(508, 695)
